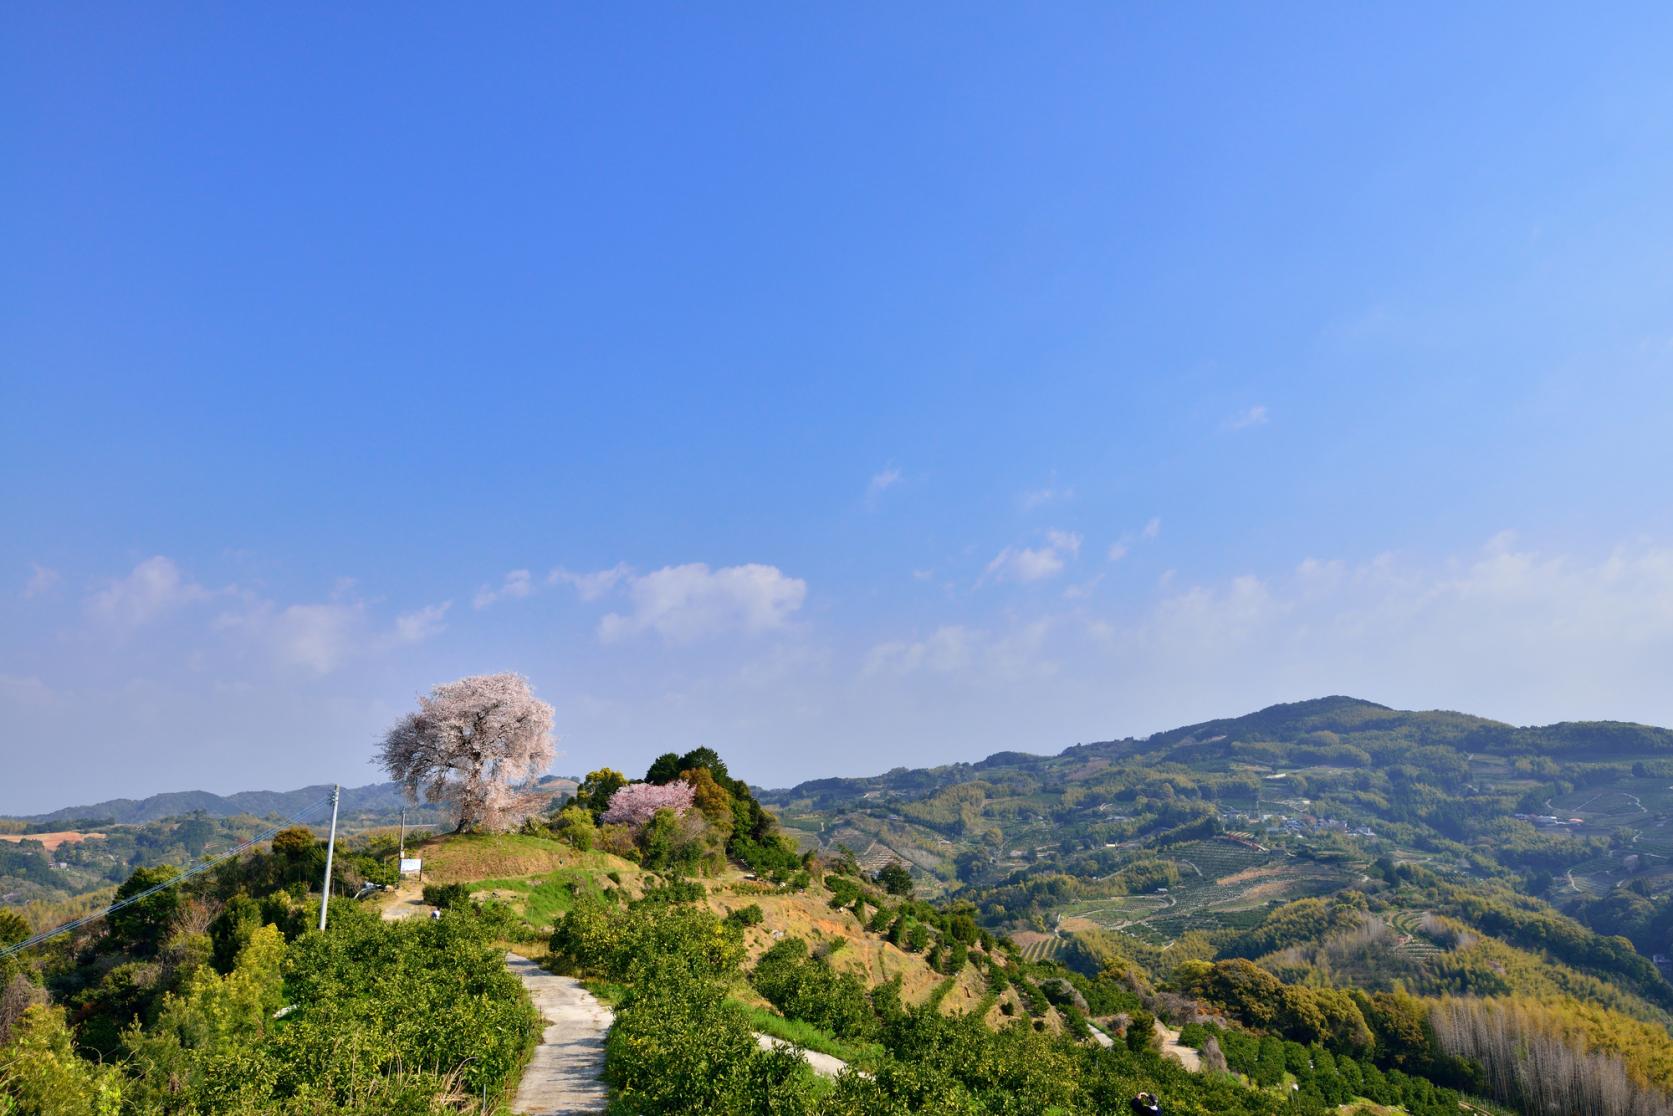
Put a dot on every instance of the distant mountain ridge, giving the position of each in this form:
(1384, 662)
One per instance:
(372, 799)
(1347, 716)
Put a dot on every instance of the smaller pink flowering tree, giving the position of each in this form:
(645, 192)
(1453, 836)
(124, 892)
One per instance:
(635, 804)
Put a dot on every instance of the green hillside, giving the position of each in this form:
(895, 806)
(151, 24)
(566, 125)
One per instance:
(1330, 906)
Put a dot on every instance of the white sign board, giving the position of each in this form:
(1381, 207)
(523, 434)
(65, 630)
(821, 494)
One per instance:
(409, 865)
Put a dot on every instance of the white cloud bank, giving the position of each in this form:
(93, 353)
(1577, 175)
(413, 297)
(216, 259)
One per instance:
(316, 637)
(1508, 631)
(683, 604)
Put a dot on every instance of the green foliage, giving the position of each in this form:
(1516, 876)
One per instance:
(600, 940)
(575, 826)
(807, 988)
(140, 928)
(41, 1074)
(453, 896)
(596, 790)
(1305, 920)
(382, 1019)
(895, 879)
(745, 917)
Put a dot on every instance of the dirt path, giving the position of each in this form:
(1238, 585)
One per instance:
(1184, 1055)
(564, 1074)
(406, 902)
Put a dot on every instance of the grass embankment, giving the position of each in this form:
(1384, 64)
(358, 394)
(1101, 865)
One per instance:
(542, 900)
(863, 1055)
(470, 857)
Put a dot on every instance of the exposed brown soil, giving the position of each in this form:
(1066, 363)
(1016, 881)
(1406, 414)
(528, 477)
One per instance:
(53, 840)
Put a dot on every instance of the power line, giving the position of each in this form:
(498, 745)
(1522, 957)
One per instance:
(194, 870)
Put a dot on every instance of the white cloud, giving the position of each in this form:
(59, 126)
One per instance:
(1068, 542)
(314, 637)
(591, 586)
(1508, 631)
(1050, 494)
(965, 654)
(42, 580)
(947, 650)
(151, 590)
(686, 603)
(1252, 416)
(1082, 590)
(1026, 564)
(420, 624)
(881, 482)
(1123, 546)
(516, 585)
(22, 690)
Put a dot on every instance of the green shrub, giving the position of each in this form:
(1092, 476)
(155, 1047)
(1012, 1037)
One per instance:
(746, 916)
(447, 897)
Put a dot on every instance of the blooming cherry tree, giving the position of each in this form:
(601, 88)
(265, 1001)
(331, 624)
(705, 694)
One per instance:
(636, 803)
(475, 743)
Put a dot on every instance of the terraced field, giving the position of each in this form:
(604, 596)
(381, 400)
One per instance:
(1413, 944)
(1036, 946)
(1223, 884)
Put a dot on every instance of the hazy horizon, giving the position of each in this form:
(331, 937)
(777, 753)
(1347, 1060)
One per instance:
(840, 390)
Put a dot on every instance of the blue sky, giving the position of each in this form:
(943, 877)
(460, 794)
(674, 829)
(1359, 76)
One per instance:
(840, 389)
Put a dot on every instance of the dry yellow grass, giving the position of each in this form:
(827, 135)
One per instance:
(808, 915)
(52, 840)
(466, 858)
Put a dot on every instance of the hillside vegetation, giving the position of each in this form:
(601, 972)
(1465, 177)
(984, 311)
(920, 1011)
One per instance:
(1325, 907)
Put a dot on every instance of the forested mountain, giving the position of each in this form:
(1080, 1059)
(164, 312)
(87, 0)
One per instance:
(376, 801)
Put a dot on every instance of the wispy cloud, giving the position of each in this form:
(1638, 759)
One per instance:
(420, 624)
(1123, 546)
(881, 481)
(1049, 494)
(516, 585)
(1034, 563)
(1244, 419)
(42, 580)
(591, 586)
(151, 590)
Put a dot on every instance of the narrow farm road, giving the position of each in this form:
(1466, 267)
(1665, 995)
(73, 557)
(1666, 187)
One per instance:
(822, 1064)
(565, 1073)
(1171, 1048)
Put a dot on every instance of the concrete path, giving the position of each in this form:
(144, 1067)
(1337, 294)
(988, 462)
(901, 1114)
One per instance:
(564, 1074)
(1171, 1048)
(822, 1064)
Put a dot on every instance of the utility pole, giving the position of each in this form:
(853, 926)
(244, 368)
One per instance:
(330, 848)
